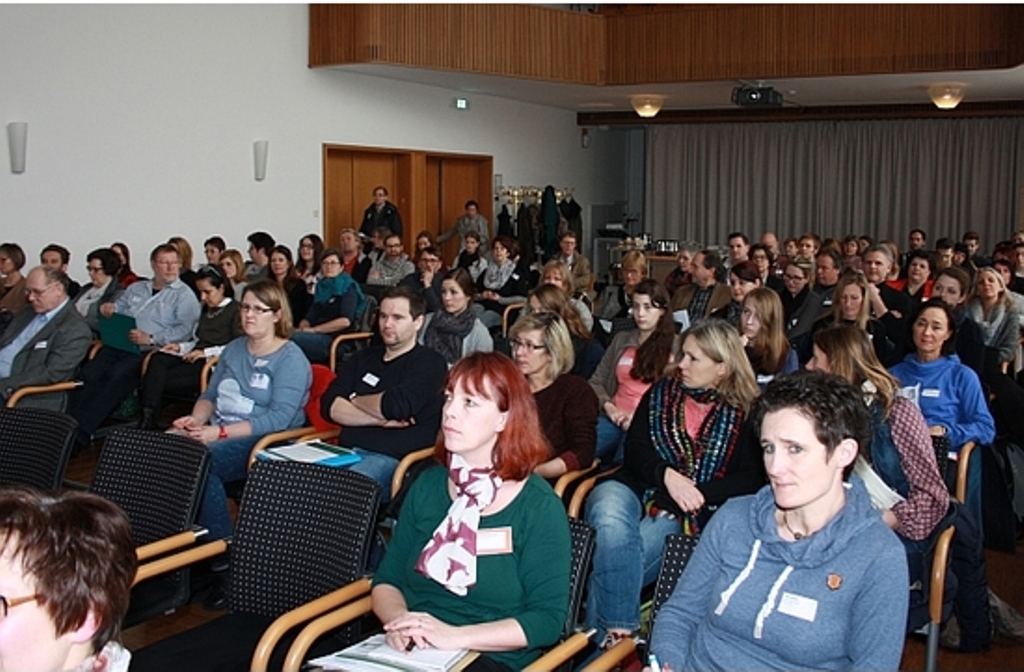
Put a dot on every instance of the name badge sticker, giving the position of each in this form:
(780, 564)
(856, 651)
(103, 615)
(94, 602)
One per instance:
(41, 345)
(798, 606)
(494, 541)
(930, 392)
(259, 381)
(371, 379)
(260, 363)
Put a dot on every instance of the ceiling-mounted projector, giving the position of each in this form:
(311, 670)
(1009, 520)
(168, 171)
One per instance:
(756, 96)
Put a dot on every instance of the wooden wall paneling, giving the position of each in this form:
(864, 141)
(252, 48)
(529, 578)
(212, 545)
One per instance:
(434, 220)
(372, 169)
(412, 172)
(337, 210)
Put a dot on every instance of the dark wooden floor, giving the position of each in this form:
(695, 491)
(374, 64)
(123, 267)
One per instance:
(1005, 575)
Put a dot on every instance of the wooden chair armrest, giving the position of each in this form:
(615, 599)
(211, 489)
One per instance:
(341, 338)
(27, 390)
(326, 623)
(939, 565)
(204, 375)
(94, 349)
(562, 652)
(179, 560)
(403, 467)
(570, 477)
(288, 620)
(613, 657)
(584, 488)
(277, 437)
(507, 313)
(168, 544)
(963, 461)
(324, 435)
(145, 360)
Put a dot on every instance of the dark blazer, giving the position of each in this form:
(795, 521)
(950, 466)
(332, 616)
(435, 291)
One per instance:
(51, 356)
(390, 217)
(92, 316)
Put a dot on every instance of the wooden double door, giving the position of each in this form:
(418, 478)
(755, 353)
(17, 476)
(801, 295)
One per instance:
(430, 189)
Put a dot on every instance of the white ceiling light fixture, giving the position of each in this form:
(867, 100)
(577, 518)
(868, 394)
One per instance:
(948, 95)
(647, 106)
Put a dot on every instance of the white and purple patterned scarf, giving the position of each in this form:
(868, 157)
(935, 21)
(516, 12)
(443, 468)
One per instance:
(450, 556)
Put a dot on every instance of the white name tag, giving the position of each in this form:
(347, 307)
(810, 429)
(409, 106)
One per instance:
(259, 381)
(626, 361)
(41, 345)
(495, 541)
(260, 363)
(798, 606)
(930, 392)
(371, 379)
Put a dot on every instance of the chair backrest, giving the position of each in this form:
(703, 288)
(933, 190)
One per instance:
(303, 530)
(323, 376)
(367, 320)
(156, 478)
(583, 538)
(675, 555)
(35, 445)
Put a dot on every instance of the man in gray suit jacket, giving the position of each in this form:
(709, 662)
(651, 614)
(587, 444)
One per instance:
(45, 342)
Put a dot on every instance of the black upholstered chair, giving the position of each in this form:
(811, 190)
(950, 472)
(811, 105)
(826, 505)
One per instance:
(357, 603)
(303, 530)
(158, 480)
(677, 552)
(35, 445)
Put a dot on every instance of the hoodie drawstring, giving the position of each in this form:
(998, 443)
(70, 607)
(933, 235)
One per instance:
(728, 592)
(769, 604)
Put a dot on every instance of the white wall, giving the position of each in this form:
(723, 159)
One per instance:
(142, 118)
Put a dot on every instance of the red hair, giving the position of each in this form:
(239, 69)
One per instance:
(521, 446)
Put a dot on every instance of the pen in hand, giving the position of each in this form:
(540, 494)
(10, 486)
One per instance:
(411, 645)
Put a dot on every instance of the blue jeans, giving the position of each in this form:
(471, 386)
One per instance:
(626, 557)
(229, 461)
(316, 347)
(611, 441)
(379, 467)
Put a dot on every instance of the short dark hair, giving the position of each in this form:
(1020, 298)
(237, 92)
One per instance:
(921, 254)
(509, 243)
(429, 249)
(217, 242)
(65, 254)
(971, 235)
(107, 258)
(463, 279)
(831, 253)
(921, 231)
(949, 346)
(216, 277)
(746, 270)
(475, 235)
(833, 405)
(262, 240)
(763, 248)
(78, 548)
(738, 234)
(473, 203)
(712, 259)
(14, 253)
(568, 233)
(944, 244)
(330, 252)
(417, 304)
(164, 248)
(380, 187)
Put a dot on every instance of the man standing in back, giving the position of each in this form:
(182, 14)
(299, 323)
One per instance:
(388, 398)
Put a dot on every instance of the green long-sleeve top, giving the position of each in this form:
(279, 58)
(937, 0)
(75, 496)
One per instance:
(530, 584)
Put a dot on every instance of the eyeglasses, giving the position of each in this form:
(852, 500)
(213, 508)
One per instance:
(794, 278)
(525, 345)
(330, 262)
(32, 291)
(94, 269)
(259, 310)
(6, 603)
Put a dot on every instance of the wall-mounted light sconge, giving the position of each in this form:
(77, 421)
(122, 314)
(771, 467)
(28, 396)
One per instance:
(17, 143)
(946, 96)
(647, 106)
(259, 157)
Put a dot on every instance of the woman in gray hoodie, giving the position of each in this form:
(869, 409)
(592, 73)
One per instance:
(804, 574)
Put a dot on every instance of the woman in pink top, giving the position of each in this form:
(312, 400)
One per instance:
(632, 362)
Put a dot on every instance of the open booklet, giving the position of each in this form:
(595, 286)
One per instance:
(374, 655)
(316, 451)
(882, 496)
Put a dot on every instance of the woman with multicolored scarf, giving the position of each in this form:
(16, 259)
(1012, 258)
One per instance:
(688, 450)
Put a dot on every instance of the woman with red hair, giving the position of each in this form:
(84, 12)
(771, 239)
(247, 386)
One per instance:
(481, 552)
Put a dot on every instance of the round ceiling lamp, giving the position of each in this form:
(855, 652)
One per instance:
(947, 96)
(647, 106)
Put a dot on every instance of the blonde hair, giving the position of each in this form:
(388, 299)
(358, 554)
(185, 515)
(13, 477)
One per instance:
(720, 341)
(563, 272)
(845, 280)
(236, 258)
(556, 340)
(634, 261)
(1004, 296)
(272, 295)
(851, 356)
(184, 251)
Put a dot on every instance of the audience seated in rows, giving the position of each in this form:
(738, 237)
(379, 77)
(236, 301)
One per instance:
(103, 287)
(587, 350)
(232, 264)
(763, 336)
(282, 271)
(389, 268)
(337, 303)
(427, 277)
(705, 293)
(503, 282)
(454, 330)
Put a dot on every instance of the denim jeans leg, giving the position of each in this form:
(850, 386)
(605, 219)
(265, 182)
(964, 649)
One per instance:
(379, 467)
(610, 438)
(315, 346)
(613, 590)
(229, 461)
(653, 531)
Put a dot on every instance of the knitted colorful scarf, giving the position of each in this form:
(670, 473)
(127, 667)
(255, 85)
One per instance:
(701, 458)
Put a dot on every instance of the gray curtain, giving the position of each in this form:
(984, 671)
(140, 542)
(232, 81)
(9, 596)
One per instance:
(833, 178)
